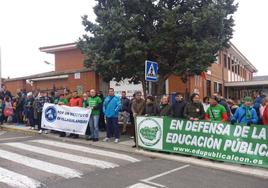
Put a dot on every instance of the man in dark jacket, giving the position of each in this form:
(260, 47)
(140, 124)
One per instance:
(165, 107)
(178, 106)
(125, 110)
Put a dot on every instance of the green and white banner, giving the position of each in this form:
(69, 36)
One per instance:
(213, 140)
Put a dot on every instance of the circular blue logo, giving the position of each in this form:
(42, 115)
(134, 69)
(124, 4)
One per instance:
(51, 114)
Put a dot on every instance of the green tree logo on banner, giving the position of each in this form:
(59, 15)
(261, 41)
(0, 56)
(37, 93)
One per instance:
(150, 132)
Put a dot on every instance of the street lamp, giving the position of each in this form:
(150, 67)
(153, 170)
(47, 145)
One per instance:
(48, 63)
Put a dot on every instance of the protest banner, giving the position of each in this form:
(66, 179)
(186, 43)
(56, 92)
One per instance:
(213, 140)
(64, 118)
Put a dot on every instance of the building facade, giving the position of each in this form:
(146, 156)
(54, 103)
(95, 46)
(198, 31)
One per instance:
(231, 68)
(69, 73)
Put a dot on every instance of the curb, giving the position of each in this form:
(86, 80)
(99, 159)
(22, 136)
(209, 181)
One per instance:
(13, 129)
(255, 172)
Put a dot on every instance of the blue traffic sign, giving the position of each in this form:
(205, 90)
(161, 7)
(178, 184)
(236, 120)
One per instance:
(151, 71)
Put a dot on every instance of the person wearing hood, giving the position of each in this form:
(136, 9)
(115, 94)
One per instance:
(151, 108)
(245, 114)
(178, 106)
(194, 110)
(215, 111)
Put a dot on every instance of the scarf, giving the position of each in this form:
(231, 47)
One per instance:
(248, 111)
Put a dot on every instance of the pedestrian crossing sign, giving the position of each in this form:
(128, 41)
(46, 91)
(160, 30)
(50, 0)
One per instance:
(151, 71)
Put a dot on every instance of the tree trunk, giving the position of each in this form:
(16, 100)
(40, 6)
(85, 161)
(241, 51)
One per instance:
(160, 86)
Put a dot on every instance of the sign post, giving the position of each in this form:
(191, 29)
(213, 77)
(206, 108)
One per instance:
(151, 73)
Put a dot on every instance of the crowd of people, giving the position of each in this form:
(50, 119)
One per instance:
(26, 108)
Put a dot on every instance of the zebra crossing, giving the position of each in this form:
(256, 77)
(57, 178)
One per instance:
(33, 162)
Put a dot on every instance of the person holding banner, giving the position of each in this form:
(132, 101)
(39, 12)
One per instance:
(75, 101)
(138, 108)
(111, 108)
(94, 103)
(178, 106)
(245, 114)
(194, 110)
(216, 112)
(61, 100)
(39, 102)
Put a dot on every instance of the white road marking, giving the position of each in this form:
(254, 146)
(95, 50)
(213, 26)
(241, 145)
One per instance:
(15, 138)
(16, 180)
(2, 132)
(148, 180)
(40, 165)
(141, 185)
(62, 155)
(87, 150)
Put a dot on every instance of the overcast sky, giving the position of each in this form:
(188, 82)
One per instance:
(29, 24)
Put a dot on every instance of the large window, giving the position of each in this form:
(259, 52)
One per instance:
(225, 60)
(209, 88)
(218, 88)
(229, 63)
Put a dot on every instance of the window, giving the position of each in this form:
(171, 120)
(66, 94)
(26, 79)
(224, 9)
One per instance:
(229, 63)
(215, 87)
(220, 88)
(235, 69)
(225, 60)
(233, 66)
(208, 88)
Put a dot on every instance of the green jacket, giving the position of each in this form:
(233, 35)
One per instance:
(95, 103)
(63, 100)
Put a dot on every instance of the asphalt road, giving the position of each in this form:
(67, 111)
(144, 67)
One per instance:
(34, 161)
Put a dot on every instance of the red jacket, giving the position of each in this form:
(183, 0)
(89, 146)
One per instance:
(76, 102)
(265, 116)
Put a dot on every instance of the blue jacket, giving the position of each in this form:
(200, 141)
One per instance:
(240, 116)
(111, 106)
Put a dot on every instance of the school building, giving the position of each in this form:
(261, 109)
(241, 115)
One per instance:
(231, 75)
(69, 73)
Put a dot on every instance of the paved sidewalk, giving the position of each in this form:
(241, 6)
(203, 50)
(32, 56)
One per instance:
(126, 143)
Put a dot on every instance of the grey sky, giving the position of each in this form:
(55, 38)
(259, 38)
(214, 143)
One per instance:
(27, 25)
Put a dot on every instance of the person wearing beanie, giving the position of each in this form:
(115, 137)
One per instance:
(245, 114)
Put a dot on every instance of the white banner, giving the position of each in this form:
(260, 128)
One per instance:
(66, 119)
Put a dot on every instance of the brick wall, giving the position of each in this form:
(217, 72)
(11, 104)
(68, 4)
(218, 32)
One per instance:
(12, 86)
(68, 60)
